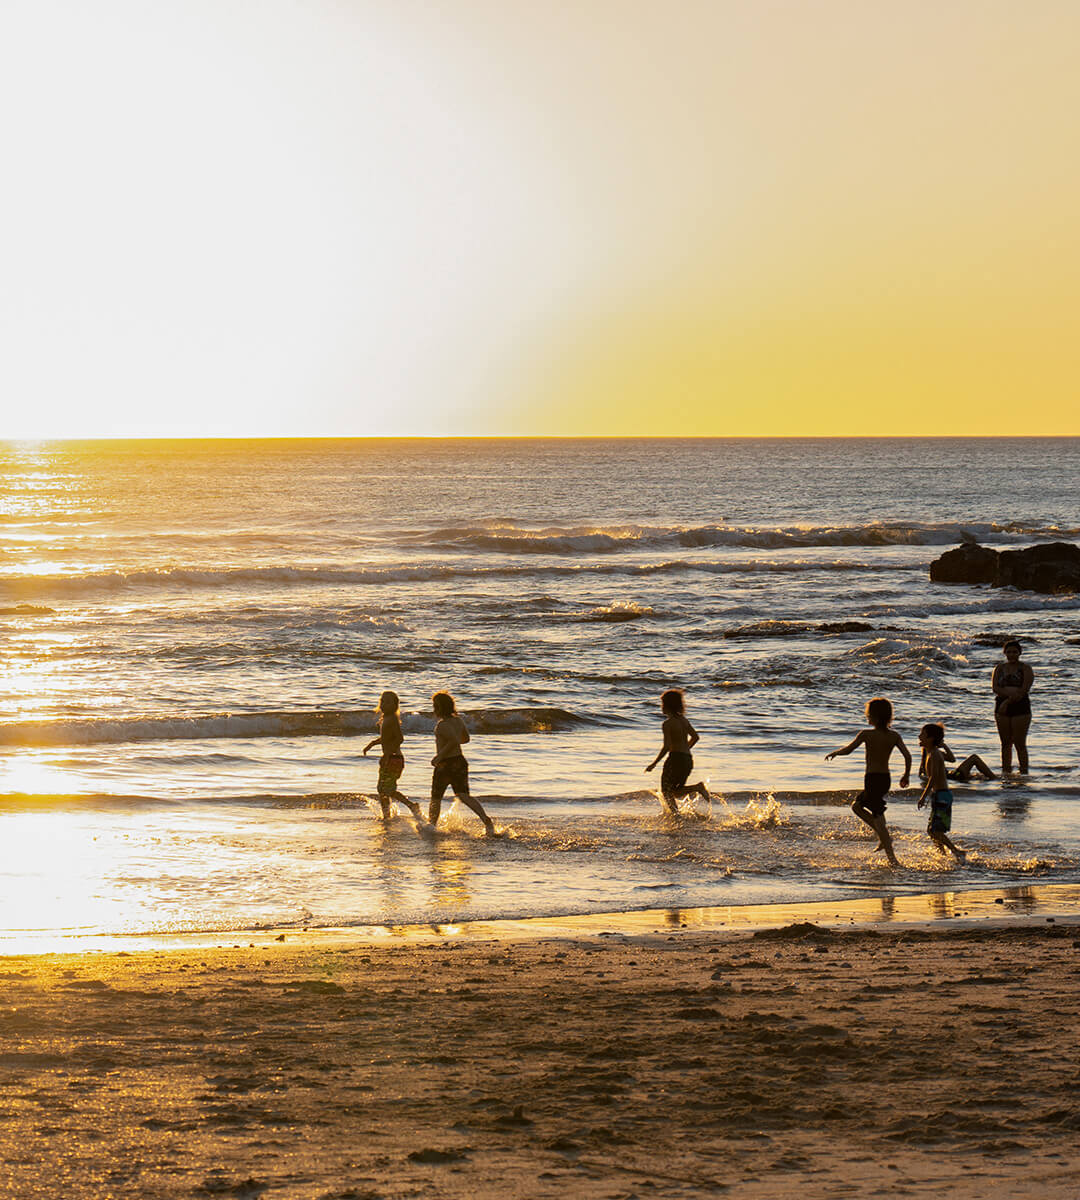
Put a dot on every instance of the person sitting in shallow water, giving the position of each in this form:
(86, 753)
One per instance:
(680, 737)
(963, 772)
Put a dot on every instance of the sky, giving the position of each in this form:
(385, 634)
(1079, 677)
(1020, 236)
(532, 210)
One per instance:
(576, 217)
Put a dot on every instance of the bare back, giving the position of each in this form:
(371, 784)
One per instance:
(677, 734)
(450, 734)
(879, 743)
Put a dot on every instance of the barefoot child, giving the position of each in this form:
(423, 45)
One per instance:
(932, 738)
(451, 769)
(392, 762)
(880, 741)
(680, 738)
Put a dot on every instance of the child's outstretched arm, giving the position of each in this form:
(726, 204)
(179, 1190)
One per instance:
(663, 751)
(375, 741)
(857, 740)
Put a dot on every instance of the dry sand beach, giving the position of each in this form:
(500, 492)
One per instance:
(806, 1059)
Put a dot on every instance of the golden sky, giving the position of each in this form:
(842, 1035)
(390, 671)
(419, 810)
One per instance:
(601, 217)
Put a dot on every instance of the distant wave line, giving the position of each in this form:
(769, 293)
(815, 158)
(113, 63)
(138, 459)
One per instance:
(242, 726)
(18, 587)
(513, 539)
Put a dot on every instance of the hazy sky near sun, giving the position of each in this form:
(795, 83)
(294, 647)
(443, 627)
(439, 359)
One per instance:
(232, 217)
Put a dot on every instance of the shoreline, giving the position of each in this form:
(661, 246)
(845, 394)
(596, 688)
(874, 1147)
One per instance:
(774, 1061)
(975, 908)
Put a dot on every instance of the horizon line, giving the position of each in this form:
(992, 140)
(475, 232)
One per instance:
(536, 437)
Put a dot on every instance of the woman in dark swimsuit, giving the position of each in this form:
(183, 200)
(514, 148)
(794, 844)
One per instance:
(1012, 681)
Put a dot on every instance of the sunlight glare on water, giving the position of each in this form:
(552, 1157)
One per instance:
(194, 636)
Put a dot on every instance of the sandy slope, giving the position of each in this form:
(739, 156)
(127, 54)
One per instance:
(794, 1063)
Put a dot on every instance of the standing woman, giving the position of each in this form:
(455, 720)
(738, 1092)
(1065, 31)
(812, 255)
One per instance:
(1012, 681)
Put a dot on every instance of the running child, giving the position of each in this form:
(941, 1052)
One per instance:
(451, 769)
(680, 737)
(880, 741)
(392, 762)
(932, 738)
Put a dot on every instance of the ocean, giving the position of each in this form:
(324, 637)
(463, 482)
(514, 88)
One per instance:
(195, 634)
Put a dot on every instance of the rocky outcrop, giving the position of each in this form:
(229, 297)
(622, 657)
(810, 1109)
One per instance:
(968, 563)
(1054, 567)
(1049, 568)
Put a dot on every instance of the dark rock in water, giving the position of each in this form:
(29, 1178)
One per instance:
(1049, 568)
(968, 563)
(1054, 567)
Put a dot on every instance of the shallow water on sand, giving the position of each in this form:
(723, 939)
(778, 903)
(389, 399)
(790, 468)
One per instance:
(194, 636)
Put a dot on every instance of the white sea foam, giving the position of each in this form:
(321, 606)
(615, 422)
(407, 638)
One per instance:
(17, 586)
(514, 539)
(905, 654)
(242, 726)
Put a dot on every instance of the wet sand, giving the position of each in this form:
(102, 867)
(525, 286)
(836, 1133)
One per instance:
(802, 1061)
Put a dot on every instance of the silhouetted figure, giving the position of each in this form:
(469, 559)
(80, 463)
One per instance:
(451, 769)
(880, 741)
(931, 738)
(392, 762)
(963, 772)
(680, 737)
(1011, 682)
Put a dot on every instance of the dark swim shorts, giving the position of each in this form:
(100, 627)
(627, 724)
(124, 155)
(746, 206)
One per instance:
(676, 772)
(876, 786)
(1013, 708)
(940, 812)
(452, 773)
(390, 768)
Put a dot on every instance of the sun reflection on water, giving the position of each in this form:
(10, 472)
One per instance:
(56, 875)
(28, 774)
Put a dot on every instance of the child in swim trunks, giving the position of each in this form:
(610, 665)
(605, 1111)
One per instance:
(392, 762)
(932, 738)
(880, 741)
(451, 769)
(680, 737)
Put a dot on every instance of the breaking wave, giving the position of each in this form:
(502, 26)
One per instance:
(900, 654)
(330, 723)
(21, 588)
(514, 539)
(618, 612)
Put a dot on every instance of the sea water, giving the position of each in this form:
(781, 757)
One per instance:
(194, 636)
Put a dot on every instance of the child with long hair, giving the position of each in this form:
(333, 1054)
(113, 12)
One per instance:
(392, 762)
(680, 737)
